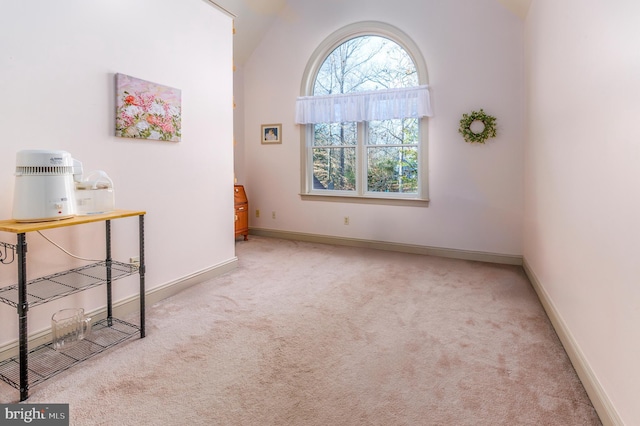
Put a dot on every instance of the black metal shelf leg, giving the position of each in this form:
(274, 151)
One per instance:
(23, 308)
(108, 261)
(141, 273)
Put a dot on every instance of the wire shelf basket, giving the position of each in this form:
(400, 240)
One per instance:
(45, 362)
(51, 287)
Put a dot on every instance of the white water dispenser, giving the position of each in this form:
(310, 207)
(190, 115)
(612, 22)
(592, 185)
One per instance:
(44, 185)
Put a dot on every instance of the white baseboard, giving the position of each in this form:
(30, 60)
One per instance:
(599, 399)
(382, 245)
(128, 306)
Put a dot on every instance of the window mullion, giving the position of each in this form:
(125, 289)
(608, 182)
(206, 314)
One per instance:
(309, 157)
(361, 160)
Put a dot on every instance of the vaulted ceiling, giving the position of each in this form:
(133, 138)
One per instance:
(253, 18)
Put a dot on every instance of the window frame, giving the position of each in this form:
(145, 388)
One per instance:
(307, 192)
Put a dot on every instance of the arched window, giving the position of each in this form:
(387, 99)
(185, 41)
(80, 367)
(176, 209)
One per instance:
(363, 107)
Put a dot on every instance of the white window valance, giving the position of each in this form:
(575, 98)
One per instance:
(405, 102)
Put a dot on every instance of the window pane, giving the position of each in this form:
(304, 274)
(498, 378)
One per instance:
(334, 169)
(335, 134)
(392, 169)
(393, 132)
(365, 63)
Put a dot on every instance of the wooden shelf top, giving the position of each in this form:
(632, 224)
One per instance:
(23, 227)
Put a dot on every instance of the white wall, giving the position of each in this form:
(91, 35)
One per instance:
(57, 66)
(238, 122)
(583, 181)
(473, 52)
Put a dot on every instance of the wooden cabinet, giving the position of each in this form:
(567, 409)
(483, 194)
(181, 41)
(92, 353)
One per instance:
(241, 211)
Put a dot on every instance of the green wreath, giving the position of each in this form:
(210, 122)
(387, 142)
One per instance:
(489, 130)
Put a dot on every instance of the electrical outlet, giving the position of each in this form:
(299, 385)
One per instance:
(273, 215)
(135, 260)
(346, 220)
(257, 212)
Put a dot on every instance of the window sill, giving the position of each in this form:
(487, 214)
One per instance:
(388, 201)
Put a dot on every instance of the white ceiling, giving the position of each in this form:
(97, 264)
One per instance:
(252, 19)
(519, 7)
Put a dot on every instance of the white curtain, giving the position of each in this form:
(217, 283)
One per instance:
(406, 102)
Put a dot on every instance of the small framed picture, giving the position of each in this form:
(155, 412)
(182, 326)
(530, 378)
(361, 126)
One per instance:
(271, 133)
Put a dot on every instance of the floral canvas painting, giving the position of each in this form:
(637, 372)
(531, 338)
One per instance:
(147, 110)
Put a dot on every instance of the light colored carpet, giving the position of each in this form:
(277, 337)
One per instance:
(313, 334)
